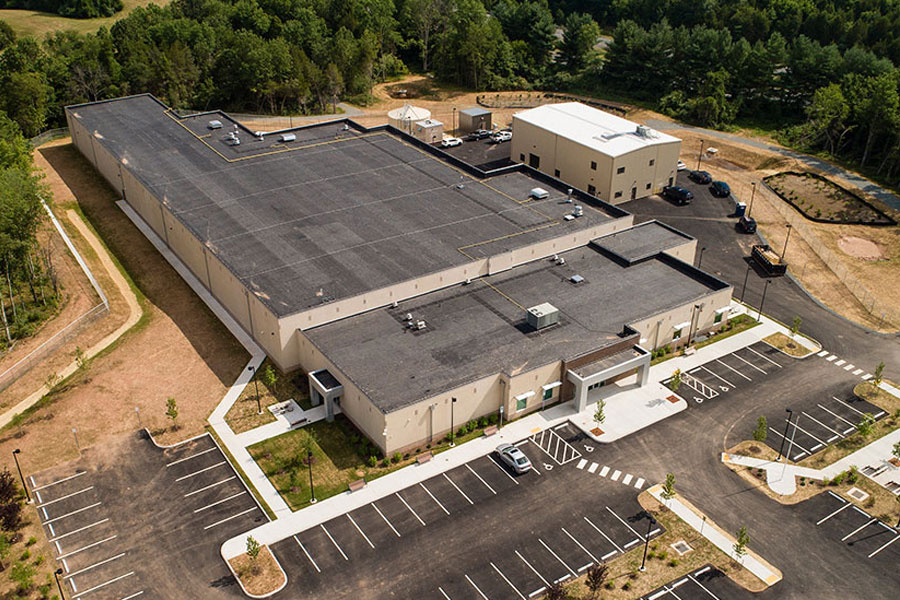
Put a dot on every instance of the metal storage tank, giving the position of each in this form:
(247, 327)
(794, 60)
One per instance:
(404, 117)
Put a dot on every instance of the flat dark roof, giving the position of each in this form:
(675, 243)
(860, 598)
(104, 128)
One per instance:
(643, 241)
(338, 212)
(476, 330)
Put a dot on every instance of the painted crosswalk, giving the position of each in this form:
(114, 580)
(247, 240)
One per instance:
(847, 366)
(617, 475)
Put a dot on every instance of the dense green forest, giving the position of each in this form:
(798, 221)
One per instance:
(822, 72)
(77, 9)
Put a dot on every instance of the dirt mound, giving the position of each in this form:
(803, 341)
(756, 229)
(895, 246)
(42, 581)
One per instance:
(861, 248)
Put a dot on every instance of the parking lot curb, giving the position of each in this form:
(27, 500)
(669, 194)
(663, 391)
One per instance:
(267, 594)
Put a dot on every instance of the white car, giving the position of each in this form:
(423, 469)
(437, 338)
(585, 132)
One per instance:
(501, 136)
(681, 165)
(514, 457)
(451, 142)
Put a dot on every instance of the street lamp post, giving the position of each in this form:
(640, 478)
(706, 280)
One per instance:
(746, 276)
(784, 437)
(763, 301)
(786, 239)
(22, 477)
(137, 410)
(454, 121)
(501, 418)
(700, 156)
(452, 431)
(312, 491)
(252, 369)
(56, 574)
(752, 196)
(700, 261)
(787, 456)
(650, 524)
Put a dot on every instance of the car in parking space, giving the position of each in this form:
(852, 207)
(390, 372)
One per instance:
(746, 224)
(451, 142)
(501, 136)
(514, 458)
(720, 189)
(682, 165)
(678, 194)
(479, 134)
(701, 177)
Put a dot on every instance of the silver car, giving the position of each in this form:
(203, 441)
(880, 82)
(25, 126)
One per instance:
(514, 457)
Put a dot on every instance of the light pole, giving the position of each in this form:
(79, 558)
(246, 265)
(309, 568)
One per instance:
(787, 456)
(454, 121)
(312, 491)
(752, 196)
(22, 477)
(650, 524)
(786, 239)
(252, 369)
(56, 574)
(501, 418)
(75, 433)
(700, 261)
(746, 276)
(452, 432)
(700, 156)
(763, 301)
(784, 437)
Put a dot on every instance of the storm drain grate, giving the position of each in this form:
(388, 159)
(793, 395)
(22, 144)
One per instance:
(681, 547)
(857, 494)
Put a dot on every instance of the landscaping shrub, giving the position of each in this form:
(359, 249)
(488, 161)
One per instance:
(373, 461)
(482, 422)
(673, 562)
(397, 457)
(492, 419)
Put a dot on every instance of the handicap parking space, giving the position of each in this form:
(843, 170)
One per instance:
(556, 444)
(845, 523)
(706, 583)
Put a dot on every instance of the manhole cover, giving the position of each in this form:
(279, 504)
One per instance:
(681, 547)
(857, 494)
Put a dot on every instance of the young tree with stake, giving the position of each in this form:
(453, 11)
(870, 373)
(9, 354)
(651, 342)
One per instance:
(740, 545)
(762, 429)
(172, 411)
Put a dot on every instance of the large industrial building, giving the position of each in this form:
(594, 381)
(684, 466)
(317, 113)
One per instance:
(596, 151)
(396, 276)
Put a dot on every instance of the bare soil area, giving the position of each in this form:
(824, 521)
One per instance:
(861, 248)
(178, 349)
(260, 576)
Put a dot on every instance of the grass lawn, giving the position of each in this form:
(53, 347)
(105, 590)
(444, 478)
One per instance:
(244, 416)
(340, 455)
(39, 24)
(787, 344)
(733, 326)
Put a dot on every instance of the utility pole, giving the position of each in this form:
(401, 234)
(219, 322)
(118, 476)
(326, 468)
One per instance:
(786, 239)
(761, 302)
(700, 156)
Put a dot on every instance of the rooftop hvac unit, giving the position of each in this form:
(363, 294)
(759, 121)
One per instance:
(568, 217)
(645, 132)
(420, 325)
(560, 261)
(578, 211)
(542, 315)
(409, 316)
(576, 279)
(215, 124)
(287, 137)
(539, 193)
(569, 196)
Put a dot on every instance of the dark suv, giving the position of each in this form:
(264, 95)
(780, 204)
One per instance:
(678, 194)
(700, 177)
(746, 224)
(720, 189)
(479, 134)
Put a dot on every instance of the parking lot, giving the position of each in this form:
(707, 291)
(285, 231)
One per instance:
(481, 153)
(847, 524)
(513, 558)
(99, 512)
(707, 583)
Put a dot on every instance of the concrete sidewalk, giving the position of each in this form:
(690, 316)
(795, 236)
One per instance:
(721, 540)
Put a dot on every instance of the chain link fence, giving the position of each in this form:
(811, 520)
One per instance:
(49, 135)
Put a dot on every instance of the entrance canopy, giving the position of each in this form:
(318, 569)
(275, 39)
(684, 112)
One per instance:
(606, 368)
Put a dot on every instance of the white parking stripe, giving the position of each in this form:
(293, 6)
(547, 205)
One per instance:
(68, 554)
(222, 501)
(496, 464)
(867, 377)
(365, 537)
(469, 579)
(831, 358)
(97, 564)
(410, 509)
(891, 541)
(443, 593)
(210, 486)
(581, 463)
(604, 471)
(613, 513)
(103, 585)
(556, 556)
(308, 555)
(730, 368)
(386, 520)
(764, 357)
(823, 519)
(630, 544)
(750, 364)
(181, 460)
(702, 587)
(815, 420)
(718, 377)
(74, 512)
(480, 479)
(616, 475)
(809, 434)
(52, 483)
(225, 520)
(838, 416)
(457, 488)
(533, 570)
(778, 433)
(608, 554)
(61, 498)
(195, 473)
(600, 531)
(822, 353)
(79, 530)
(857, 530)
(586, 551)
(508, 582)
(845, 403)
(593, 468)
(135, 595)
(422, 485)
(848, 367)
(333, 542)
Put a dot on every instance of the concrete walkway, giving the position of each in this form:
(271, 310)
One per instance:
(721, 540)
(855, 179)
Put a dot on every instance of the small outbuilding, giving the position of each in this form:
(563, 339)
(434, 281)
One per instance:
(405, 116)
(428, 130)
(471, 119)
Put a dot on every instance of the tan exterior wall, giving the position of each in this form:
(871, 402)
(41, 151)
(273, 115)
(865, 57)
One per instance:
(532, 381)
(686, 252)
(573, 162)
(659, 330)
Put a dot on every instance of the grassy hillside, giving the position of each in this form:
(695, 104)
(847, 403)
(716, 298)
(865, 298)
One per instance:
(38, 24)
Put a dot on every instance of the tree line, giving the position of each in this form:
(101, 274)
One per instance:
(76, 9)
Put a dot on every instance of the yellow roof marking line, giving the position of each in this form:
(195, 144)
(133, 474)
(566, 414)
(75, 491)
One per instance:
(493, 287)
